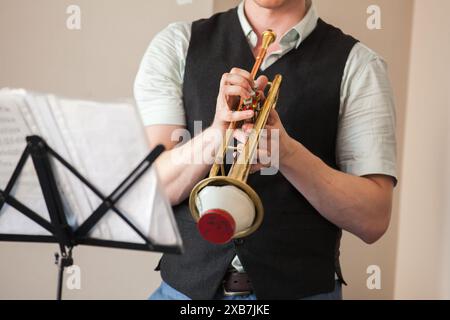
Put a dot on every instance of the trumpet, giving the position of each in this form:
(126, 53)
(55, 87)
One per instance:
(224, 206)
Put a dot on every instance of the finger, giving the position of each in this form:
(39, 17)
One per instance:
(261, 82)
(237, 80)
(231, 116)
(243, 73)
(229, 90)
(255, 168)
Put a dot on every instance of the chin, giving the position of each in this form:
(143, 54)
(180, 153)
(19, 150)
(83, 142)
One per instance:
(272, 4)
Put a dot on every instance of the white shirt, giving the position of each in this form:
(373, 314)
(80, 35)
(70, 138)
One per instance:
(366, 142)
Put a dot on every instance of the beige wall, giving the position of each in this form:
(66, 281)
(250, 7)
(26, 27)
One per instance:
(423, 247)
(100, 61)
(393, 43)
(224, 5)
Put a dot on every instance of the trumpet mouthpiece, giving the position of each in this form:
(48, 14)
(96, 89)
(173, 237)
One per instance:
(269, 37)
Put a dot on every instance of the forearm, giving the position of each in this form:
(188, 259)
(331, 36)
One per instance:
(181, 168)
(356, 204)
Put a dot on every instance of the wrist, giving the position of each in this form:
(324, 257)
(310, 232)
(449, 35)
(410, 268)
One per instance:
(288, 151)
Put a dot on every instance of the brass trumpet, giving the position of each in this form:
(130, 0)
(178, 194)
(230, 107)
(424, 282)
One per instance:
(224, 205)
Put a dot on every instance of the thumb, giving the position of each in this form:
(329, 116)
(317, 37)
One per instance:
(274, 118)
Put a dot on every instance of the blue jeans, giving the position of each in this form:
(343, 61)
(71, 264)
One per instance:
(166, 292)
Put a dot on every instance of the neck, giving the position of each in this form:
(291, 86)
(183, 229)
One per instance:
(280, 19)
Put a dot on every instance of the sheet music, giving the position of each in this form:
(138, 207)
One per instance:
(69, 187)
(104, 141)
(112, 140)
(16, 122)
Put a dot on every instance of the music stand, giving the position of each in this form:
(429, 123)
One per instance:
(61, 232)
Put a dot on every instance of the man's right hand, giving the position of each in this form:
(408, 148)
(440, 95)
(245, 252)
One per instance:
(235, 85)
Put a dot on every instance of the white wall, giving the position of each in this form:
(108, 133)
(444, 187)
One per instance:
(423, 245)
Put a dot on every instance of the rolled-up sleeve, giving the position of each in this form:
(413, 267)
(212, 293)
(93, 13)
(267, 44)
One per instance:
(158, 88)
(366, 142)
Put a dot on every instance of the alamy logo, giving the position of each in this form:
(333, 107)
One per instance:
(183, 2)
(73, 22)
(374, 20)
(73, 281)
(374, 279)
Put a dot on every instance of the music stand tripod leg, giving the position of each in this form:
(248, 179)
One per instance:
(63, 261)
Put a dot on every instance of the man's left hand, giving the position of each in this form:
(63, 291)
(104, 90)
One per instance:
(274, 139)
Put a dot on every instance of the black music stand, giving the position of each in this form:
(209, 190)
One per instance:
(61, 232)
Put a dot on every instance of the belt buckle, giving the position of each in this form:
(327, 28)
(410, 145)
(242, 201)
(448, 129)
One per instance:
(235, 294)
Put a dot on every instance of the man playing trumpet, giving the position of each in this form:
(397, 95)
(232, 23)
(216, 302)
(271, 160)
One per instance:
(335, 122)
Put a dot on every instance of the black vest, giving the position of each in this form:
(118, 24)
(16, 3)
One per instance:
(295, 252)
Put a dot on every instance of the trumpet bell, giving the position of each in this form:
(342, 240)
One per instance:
(225, 209)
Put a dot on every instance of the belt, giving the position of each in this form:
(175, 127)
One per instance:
(237, 284)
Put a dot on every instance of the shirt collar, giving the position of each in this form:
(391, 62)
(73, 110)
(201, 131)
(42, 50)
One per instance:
(292, 38)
